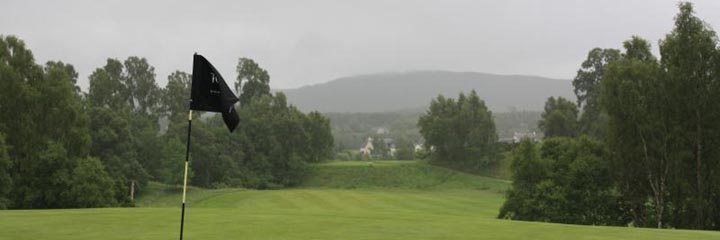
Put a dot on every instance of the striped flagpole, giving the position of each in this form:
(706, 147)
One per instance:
(187, 159)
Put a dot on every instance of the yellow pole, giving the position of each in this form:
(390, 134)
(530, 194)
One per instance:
(187, 159)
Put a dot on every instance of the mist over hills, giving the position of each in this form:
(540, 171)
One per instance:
(413, 91)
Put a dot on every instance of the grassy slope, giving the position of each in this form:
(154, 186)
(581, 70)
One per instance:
(398, 174)
(348, 200)
(501, 169)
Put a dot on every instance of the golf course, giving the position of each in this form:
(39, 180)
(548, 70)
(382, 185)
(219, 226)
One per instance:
(338, 200)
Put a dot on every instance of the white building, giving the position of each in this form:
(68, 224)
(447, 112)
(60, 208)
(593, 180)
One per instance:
(367, 149)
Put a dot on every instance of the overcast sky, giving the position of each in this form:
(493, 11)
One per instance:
(309, 42)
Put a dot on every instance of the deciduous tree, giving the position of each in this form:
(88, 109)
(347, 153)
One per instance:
(587, 89)
(460, 133)
(559, 118)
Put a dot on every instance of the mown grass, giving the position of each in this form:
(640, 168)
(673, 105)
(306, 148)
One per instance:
(441, 204)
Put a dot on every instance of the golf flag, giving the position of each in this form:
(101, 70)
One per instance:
(210, 92)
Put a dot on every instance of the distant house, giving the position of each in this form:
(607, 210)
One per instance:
(519, 136)
(381, 131)
(506, 140)
(367, 148)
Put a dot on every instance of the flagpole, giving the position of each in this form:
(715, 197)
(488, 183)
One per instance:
(187, 158)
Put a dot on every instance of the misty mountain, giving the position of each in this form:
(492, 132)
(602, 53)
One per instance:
(413, 91)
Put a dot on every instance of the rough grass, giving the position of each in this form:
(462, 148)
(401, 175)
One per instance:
(500, 169)
(397, 174)
(397, 200)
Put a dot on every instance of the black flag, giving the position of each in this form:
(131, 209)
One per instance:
(211, 93)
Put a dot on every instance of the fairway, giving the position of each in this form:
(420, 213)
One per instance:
(439, 204)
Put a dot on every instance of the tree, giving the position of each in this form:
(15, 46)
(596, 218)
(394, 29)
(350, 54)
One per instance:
(588, 88)
(662, 126)
(278, 145)
(690, 60)
(17, 70)
(125, 104)
(112, 144)
(527, 171)
(61, 101)
(6, 183)
(144, 97)
(173, 162)
(460, 133)
(635, 99)
(380, 148)
(566, 181)
(90, 185)
(107, 88)
(559, 118)
(405, 149)
(44, 125)
(216, 162)
(139, 83)
(321, 138)
(175, 99)
(257, 81)
(588, 186)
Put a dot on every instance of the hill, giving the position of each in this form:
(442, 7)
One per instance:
(412, 91)
(341, 200)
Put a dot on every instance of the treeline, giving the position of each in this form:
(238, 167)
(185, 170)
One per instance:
(351, 130)
(61, 147)
(649, 155)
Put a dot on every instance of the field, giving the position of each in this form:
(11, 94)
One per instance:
(340, 200)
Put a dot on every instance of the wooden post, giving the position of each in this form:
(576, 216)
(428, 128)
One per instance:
(132, 190)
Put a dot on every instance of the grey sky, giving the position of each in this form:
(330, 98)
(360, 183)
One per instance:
(309, 42)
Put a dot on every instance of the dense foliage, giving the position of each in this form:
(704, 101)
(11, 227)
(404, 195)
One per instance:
(564, 180)
(663, 127)
(5, 179)
(658, 119)
(459, 133)
(45, 129)
(60, 147)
